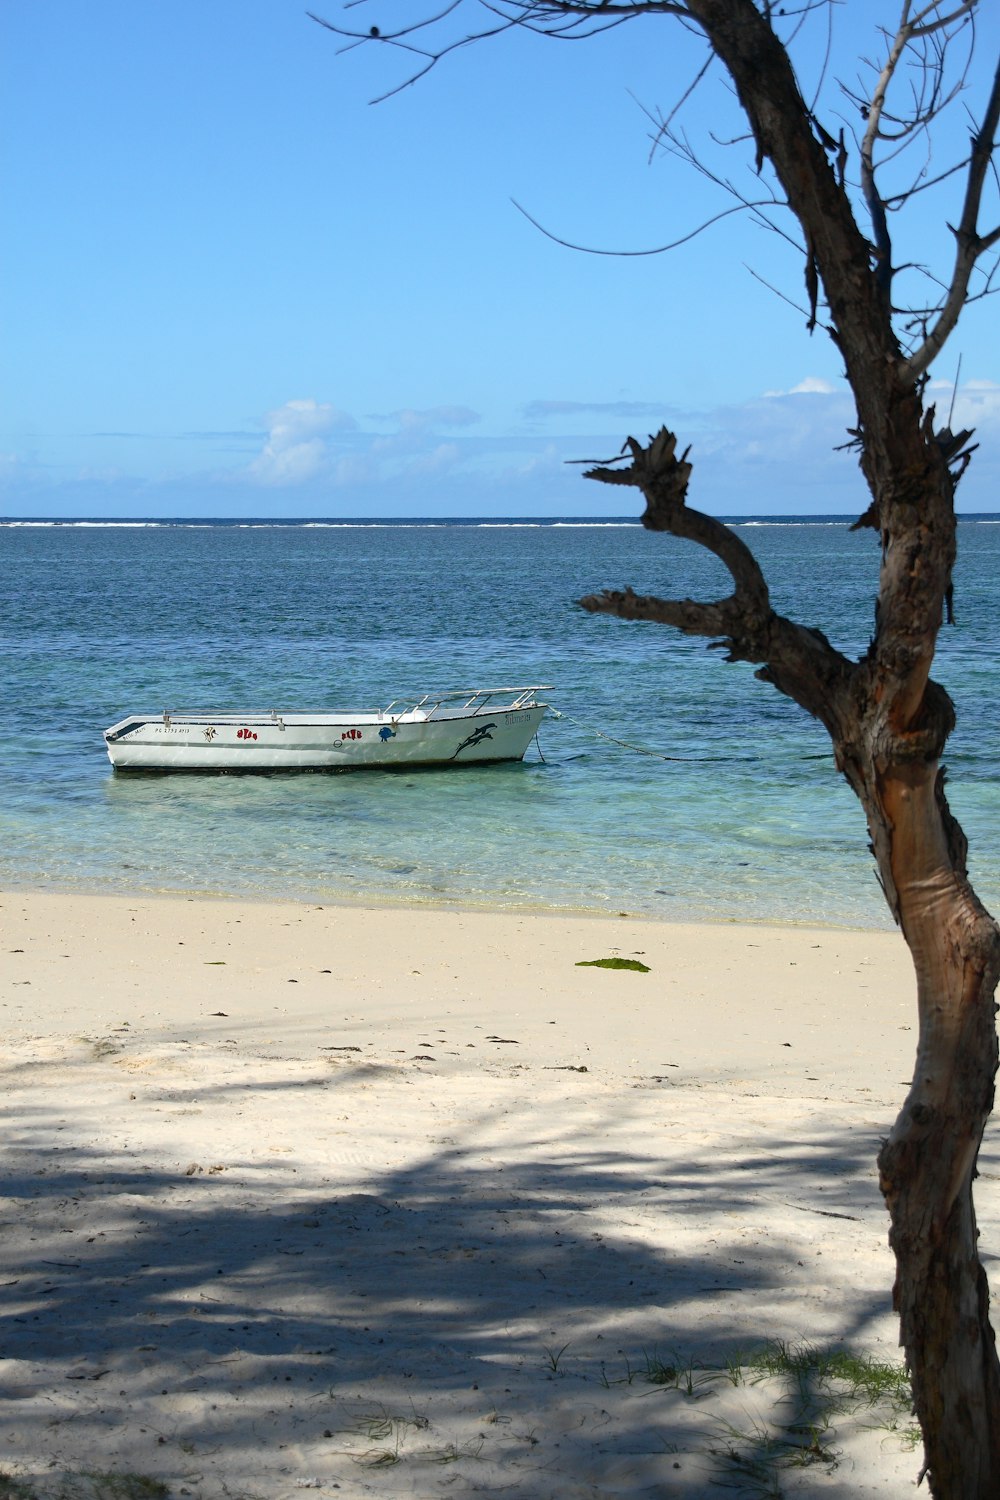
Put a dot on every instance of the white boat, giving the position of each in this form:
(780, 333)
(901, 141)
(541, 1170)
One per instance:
(490, 724)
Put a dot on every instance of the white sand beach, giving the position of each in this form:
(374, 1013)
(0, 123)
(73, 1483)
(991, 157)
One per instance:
(406, 1203)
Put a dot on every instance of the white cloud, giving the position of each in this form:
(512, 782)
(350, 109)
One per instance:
(442, 458)
(803, 423)
(812, 385)
(296, 448)
(311, 441)
(411, 419)
(416, 428)
(549, 461)
(976, 404)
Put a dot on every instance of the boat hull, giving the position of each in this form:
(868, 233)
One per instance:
(319, 742)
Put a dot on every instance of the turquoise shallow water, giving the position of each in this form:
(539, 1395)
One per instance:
(746, 821)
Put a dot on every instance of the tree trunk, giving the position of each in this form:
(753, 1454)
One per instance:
(888, 722)
(889, 729)
(928, 1164)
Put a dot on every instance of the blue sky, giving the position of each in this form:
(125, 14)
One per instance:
(230, 285)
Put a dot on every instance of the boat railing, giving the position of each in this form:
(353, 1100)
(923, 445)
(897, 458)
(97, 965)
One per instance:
(471, 699)
(212, 716)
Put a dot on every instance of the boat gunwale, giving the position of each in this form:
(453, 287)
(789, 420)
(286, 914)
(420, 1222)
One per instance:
(422, 712)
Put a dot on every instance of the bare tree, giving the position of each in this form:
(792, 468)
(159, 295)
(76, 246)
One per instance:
(887, 719)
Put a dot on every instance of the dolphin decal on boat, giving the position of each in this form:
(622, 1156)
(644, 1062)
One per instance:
(474, 738)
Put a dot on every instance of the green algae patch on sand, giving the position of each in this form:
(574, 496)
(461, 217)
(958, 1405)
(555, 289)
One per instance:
(613, 963)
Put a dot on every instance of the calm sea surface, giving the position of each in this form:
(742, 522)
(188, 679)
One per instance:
(737, 814)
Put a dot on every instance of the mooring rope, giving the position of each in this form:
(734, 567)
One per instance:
(558, 713)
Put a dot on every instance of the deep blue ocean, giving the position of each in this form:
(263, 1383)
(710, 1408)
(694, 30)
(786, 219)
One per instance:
(735, 813)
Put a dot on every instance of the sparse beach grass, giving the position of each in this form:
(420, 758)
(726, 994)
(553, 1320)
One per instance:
(801, 1388)
(84, 1484)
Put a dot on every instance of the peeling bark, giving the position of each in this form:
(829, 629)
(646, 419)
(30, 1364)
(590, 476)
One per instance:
(927, 1166)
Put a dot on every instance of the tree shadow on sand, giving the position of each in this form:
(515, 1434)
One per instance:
(495, 1322)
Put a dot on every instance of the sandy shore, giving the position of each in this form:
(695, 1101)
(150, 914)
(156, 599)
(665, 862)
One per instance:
(407, 1203)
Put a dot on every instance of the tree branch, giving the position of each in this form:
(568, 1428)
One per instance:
(800, 662)
(692, 234)
(663, 479)
(873, 201)
(554, 18)
(721, 619)
(971, 245)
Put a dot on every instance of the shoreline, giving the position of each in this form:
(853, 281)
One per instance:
(389, 1201)
(90, 889)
